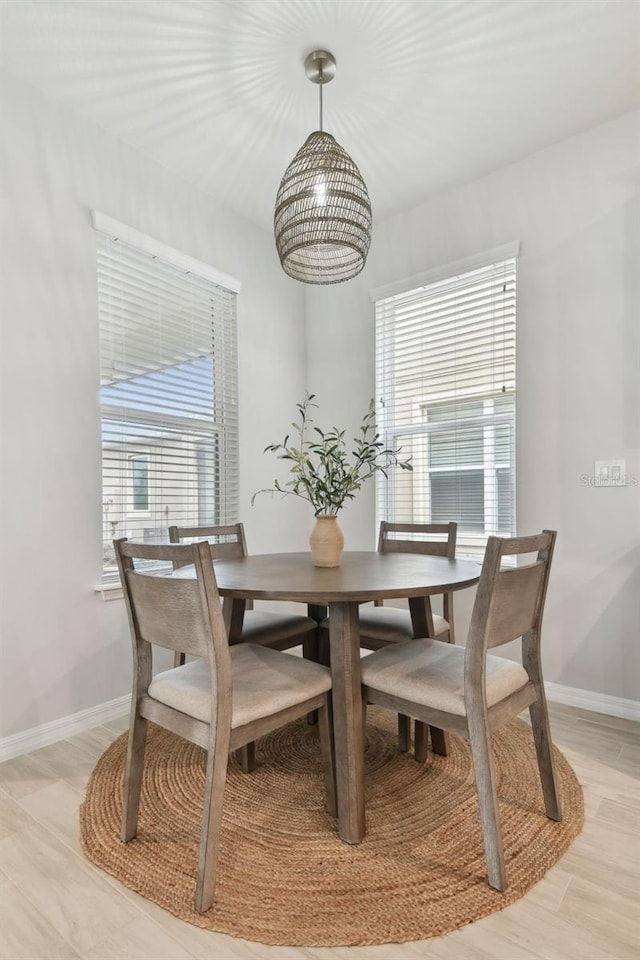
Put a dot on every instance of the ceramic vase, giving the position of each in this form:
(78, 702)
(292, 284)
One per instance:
(326, 542)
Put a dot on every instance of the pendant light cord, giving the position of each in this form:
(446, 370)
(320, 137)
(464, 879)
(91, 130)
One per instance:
(320, 85)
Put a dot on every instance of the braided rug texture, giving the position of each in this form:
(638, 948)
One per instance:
(285, 877)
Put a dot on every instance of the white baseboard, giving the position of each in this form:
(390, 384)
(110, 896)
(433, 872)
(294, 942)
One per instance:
(591, 700)
(46, 733)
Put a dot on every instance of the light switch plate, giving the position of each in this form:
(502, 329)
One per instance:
(610, 473)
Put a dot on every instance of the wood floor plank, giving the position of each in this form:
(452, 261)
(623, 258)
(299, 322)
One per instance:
(623, 817)
(416, 950)
(552, 888)
(624, 735)
(608, 913)
(205, 944)
(23, 774)
(12, 816)
(56, 808)
(631, 800)
(71, 761)
(629, 760)
(597, 746)
(576, 714)
(555, 936)
(246, 950)
(140, 939)
(483, 940)
(118, 725)
(24, 932)
(580, 861)
(70, 893)
(599, 778)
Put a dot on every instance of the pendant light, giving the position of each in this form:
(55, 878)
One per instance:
(322, 220)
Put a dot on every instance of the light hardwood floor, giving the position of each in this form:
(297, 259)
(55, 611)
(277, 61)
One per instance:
(55, 904)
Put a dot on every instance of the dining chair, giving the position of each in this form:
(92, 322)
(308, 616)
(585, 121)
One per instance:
(380, 625)
(281, 631)
(271, 629)
(224, 698)
(471, 693)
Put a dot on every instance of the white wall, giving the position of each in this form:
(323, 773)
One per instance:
(63, 648)
(576, 210)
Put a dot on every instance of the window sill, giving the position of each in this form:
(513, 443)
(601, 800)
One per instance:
(109, 591)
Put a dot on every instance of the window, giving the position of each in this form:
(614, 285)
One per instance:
(168, 389)
(445, 383)
(140, 482)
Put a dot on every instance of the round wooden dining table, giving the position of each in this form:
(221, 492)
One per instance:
(361, 577)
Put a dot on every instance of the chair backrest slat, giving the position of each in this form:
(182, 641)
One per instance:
(226, 542)
(169, 613)
(432, 539)
(183, 615)
(509, 601)
(514, 607)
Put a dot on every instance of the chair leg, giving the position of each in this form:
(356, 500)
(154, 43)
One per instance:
(324, 649)
(133, 778)
(439, 741)
(482, 754)
(439, 738)
(310, 648)
(544, 751)
(325, 730)
(310, 651)
(246, 757)
(420, 739)
(211, 828)
(404, 733)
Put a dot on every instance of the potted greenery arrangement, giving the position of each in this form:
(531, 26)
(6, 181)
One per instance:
(326, 474)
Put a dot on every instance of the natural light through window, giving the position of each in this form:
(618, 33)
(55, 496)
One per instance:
(168, 395)
(446, 393)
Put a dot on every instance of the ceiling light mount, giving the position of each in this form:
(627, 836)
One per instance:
(320, 66)
(322, 220)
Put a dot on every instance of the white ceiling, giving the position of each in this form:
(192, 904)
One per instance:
(428, 93)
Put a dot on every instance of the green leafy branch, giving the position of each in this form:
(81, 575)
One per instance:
(322, 472)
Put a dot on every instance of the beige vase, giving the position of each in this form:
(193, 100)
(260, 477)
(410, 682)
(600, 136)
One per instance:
(326, 541)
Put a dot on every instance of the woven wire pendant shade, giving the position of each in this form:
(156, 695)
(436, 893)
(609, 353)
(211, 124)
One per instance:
(322, 219)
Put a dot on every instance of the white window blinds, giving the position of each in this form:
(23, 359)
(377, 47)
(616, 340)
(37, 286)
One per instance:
(446, 389)
(168, 393)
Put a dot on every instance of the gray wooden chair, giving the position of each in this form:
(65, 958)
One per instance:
(380, 625)
(470, 693)
(223, 699)
(281, 631)
(270, 629)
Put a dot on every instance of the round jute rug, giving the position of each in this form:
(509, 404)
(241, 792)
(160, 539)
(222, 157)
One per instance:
(284, 875)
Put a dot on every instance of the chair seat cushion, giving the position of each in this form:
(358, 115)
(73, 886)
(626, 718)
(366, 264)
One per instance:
(382, 625)
(431, 673)
(262, 626)
(391, 625)
(265, 681)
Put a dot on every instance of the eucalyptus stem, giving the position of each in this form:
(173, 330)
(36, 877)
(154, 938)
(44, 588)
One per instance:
(322, 473)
